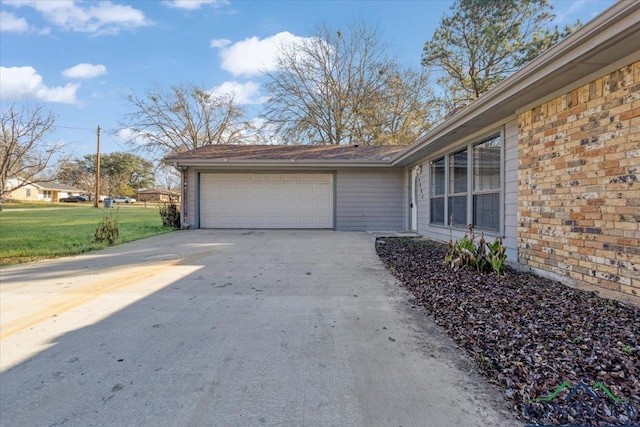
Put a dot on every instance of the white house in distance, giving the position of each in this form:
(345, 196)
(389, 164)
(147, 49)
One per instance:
(549, 160)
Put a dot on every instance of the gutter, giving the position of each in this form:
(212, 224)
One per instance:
(277, 164)
(621, 19)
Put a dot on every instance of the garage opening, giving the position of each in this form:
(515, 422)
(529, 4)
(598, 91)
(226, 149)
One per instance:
(266, 200)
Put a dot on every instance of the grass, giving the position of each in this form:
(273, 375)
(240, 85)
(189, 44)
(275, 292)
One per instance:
(41, 205)
(33, 234)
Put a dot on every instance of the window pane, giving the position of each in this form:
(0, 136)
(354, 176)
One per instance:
(458, 172)
(458, 210)
(486, 211)
(437, 177)
(437, 210)
(486, 165)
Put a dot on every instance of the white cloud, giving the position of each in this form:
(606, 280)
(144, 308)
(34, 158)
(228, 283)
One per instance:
(17, 83)
(11, 23)
(261, 132)
(101, 17)
(253, 56)
(85, 71)
(219, 43)
(194, 4)
(243, 93)
(131, 136)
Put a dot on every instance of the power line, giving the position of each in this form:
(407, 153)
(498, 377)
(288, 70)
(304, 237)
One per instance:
(72, 127)
(110, 135)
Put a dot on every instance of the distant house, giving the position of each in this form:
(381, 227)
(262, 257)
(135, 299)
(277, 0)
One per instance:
(158, 195)
(40, 191)
(548, 160)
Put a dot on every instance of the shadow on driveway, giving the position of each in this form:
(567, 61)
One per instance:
(229, 328)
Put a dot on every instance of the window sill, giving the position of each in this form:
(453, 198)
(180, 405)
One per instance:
(477, 231)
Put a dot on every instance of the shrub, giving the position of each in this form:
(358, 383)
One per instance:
(108, 230)
(170, 215)
(480, 255)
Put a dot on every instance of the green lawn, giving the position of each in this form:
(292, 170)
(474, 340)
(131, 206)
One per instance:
(32, 234)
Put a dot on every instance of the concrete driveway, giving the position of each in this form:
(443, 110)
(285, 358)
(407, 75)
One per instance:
(229, 328)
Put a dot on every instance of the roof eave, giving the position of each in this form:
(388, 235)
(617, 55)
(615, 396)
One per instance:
(621, 21)
(276, 164)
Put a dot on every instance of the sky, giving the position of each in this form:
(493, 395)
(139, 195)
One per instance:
(79, 59)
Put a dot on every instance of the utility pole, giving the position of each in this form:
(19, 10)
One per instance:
(96, 201)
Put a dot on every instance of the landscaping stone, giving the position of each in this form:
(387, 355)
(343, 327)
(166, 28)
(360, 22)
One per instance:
(531, 336)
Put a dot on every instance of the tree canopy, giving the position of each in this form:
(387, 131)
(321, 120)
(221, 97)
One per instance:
(342, 87)
(484, 41)
(120, 173)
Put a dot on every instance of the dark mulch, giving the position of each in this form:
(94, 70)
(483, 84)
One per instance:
(529, 335)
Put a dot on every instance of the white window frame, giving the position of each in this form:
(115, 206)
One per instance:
(471, 192)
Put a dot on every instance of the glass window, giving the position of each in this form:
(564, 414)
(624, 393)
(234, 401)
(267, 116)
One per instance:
(28, 190)
(453, 202)
(458, 211)
(458, 189)
(486, 165)
(437, 191)
(437, 210)
(458, 172)
(437, 177)
(486, 184)
(486, 211)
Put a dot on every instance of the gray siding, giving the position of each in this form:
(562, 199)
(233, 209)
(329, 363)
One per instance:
(511, 190)
(370, 199)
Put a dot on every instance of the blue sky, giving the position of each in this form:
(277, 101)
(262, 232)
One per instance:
(78, 58)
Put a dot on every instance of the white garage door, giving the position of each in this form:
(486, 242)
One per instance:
(266, 200)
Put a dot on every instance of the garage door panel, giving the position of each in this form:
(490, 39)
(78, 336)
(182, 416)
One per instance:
(289, 206)
(269, 200)
(321, 191)
(323, 207)
(324, 178)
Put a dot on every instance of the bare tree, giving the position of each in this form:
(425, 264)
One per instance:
(25, 152)
(183, 118)
(401, 113)
(343, 88)
(167, 177)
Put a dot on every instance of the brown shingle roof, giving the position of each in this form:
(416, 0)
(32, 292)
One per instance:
(288, 152)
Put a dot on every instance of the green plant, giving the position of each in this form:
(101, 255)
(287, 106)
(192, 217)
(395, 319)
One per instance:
(480, 255)
(108, 229)
(170, 215)
(497, 255)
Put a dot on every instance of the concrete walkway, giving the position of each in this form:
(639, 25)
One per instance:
(229, 328)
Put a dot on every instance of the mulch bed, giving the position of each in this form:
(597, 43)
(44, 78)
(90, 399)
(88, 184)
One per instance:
(529, 335)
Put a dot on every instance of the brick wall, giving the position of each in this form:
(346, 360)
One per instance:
(579, 189)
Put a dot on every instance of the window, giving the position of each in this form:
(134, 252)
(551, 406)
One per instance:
(458, 189)
(437, 191)
(486, 184)
(28, 191)
(451, 177)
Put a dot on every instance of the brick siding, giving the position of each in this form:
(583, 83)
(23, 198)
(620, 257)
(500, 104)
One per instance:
(578, 182)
